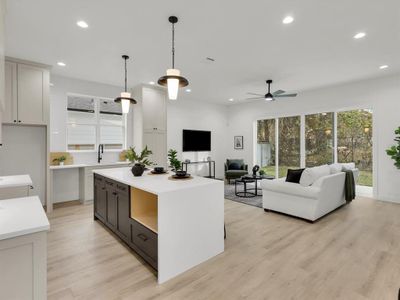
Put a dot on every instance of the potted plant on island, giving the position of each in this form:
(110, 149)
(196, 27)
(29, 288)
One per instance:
(60, 160)
(394, 151)
(140, 161)
(175, 163)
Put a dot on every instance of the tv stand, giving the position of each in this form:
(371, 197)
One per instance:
(211, 165)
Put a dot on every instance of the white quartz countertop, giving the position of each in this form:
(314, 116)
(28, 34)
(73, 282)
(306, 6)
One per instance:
(155, 184)
(15, 181)
(21, 216)
(88, 165)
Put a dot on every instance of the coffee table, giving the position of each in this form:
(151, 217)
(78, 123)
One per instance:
(255, 179)
(245, 193)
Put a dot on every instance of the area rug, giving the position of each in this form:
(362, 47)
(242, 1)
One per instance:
(230, 195)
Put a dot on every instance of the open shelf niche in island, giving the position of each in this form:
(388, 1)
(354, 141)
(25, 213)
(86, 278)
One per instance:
(144, 208)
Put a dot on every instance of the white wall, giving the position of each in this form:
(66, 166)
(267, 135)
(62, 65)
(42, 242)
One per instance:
(184, 114)
(382, 95)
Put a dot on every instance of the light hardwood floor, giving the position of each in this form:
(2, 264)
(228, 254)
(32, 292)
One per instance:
(353, 253)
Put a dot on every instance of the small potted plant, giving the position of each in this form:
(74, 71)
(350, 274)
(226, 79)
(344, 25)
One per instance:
(175, 163)
(140, 161)
(60, 160)
(394, 151)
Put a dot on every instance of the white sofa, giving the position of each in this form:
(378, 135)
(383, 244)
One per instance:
(311, 202)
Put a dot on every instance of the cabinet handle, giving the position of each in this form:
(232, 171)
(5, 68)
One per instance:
(19, 121)
(15, 121)
(115, 193)
(142, 237)
(103, 188)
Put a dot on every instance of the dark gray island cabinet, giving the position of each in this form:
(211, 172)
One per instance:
(172, 225)
(112, 206)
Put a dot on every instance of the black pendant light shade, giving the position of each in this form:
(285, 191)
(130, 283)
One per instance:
(173, 80)
(125, 96)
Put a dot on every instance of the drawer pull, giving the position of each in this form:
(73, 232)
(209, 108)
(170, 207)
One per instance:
(103, 188)
(142, 237)
(115, 193)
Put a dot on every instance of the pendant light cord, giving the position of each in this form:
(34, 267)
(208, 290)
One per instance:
(126, 76)
(173, 46)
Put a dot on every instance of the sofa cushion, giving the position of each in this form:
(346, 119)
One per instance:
(235, 164)
(348, 166)
(294, 175)
(310, 175)
(336, 168)
(290, 188)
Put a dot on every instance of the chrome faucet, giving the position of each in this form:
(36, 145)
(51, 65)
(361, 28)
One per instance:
(100, 150)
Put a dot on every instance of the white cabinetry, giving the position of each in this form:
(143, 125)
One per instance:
(155, 124)
(26, 94)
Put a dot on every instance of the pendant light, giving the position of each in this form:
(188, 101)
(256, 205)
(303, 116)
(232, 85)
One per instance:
(173, 80)
(125, 99)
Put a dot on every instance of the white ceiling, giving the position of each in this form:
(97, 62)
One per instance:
(246, 38)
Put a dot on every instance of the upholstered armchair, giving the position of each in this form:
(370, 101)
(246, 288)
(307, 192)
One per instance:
(235, 168)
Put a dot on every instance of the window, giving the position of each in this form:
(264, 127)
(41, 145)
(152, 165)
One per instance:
(93, 121)
(350, 135)
(266, 145)
(354, 140)
(319, 139)
(289, 144)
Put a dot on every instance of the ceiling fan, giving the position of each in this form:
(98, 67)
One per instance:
(268, 96)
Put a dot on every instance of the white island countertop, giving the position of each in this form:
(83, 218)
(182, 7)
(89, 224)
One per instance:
(155, 184)
(21, 216)
(15, 181)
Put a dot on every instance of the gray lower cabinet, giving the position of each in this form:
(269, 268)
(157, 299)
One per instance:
(112, 207)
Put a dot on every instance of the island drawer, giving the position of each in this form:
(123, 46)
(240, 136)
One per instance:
(145, 239)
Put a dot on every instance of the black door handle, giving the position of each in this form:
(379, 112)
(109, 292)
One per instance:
(142, 237)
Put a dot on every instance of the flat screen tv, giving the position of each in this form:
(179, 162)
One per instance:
(196, 140)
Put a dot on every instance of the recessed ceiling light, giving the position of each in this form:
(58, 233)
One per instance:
(288, 20)
(188, 90)
(152, 82)
(383, 67)
(360, 35)
(230, 99)
(61, 64)
(82, 24)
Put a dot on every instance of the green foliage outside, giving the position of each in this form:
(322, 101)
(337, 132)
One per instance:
(394, 151)
(354, 142)
(137, 158)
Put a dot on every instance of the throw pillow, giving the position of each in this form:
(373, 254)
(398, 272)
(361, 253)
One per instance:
(294, 175)
(234, 166)
(310, 175)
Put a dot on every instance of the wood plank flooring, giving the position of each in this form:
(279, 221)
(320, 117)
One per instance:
(353, 253)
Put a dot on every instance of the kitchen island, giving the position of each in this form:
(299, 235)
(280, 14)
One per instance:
(173, 225)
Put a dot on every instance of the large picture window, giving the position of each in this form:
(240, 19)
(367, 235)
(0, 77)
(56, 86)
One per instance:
(281, 143)
(319, 139)
(93, 121)
(289, 144)
(266, 145)
(354, 140)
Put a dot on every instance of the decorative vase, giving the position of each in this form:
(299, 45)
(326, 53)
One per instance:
(137, 170)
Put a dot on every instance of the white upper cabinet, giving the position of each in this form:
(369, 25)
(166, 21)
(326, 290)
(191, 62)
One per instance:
(154, 109)
(10, 93)
(26, 94)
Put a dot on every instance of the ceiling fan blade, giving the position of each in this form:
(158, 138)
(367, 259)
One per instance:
(285, 95)
(254, 98)
(261, 95)
(278, 92)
